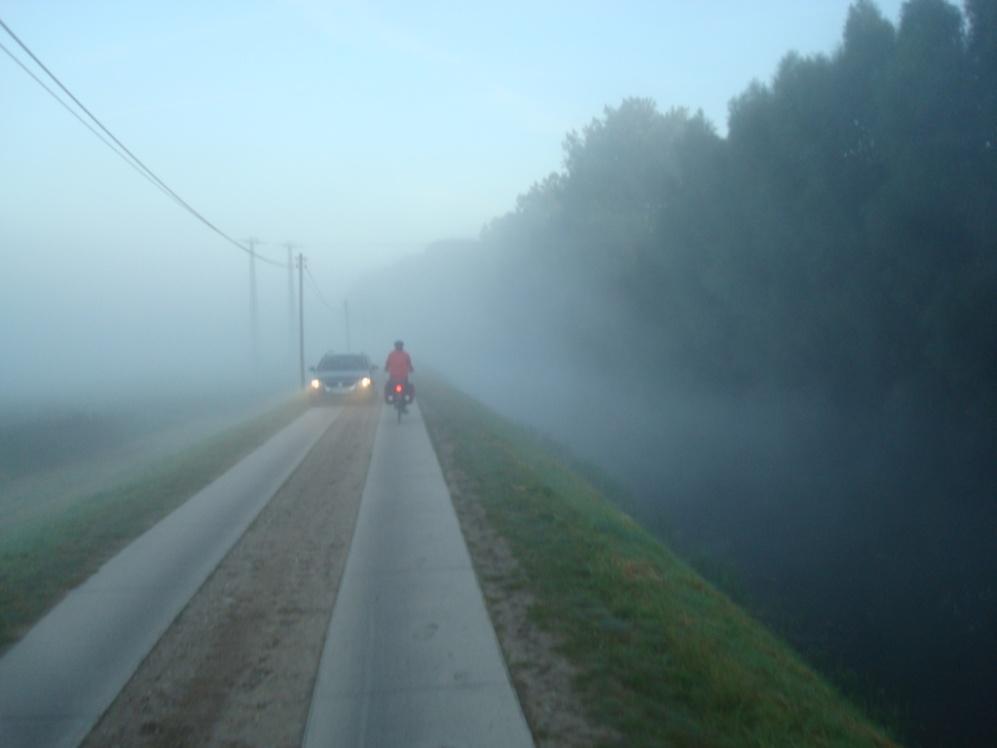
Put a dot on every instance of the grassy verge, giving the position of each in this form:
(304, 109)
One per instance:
(43, 559)
(664, 658)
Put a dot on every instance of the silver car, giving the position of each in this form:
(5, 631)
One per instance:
(346, 374)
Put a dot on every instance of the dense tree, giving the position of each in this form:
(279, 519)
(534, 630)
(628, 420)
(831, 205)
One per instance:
(840, 236)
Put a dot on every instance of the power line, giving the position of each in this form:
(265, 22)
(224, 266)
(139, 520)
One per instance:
(262, 258)
(82, 121)
(316, 289)
(138, 164)
(268, 261)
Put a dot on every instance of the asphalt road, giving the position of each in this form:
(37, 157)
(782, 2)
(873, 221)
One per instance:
(410, 657)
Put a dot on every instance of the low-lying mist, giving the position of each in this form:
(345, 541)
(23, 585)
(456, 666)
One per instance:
(862, 535)
(780, 341)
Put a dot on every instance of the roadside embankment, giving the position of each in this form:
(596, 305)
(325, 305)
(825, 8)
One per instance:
(47, 554)
(656, 655)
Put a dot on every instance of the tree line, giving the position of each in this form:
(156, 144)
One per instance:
(838, 244)
(842, 237)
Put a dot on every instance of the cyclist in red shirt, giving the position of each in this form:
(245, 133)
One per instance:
(399, 366)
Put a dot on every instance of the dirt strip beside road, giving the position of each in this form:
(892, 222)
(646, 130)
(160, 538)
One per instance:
(237, 666)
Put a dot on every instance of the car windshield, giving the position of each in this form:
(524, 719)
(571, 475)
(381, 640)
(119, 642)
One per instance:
(342, 361)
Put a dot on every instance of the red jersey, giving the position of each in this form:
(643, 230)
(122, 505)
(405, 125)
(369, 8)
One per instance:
(399, 365)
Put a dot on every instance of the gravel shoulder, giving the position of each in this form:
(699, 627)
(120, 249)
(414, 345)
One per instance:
(237, 666)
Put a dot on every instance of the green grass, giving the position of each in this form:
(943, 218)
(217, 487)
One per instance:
(42, 559)
(664, 658)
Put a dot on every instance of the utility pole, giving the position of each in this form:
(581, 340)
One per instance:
(301, 315)
(254, 322)
(290, 247)
(346, 312)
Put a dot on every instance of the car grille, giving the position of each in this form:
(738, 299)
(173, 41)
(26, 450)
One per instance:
(339, 382)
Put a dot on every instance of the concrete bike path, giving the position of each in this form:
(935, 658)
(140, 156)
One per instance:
(58, 680)
(411, 657)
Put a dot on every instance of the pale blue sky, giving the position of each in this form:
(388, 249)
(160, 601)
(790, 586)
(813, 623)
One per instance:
(360, 130)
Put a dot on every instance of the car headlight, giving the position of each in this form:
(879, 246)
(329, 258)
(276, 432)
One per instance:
(316, 384)
(365, 382)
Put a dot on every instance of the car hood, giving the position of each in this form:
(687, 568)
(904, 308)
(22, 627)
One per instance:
(341, 374)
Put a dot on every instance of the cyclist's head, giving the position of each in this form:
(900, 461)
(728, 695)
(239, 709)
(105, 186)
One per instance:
(399, 345)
